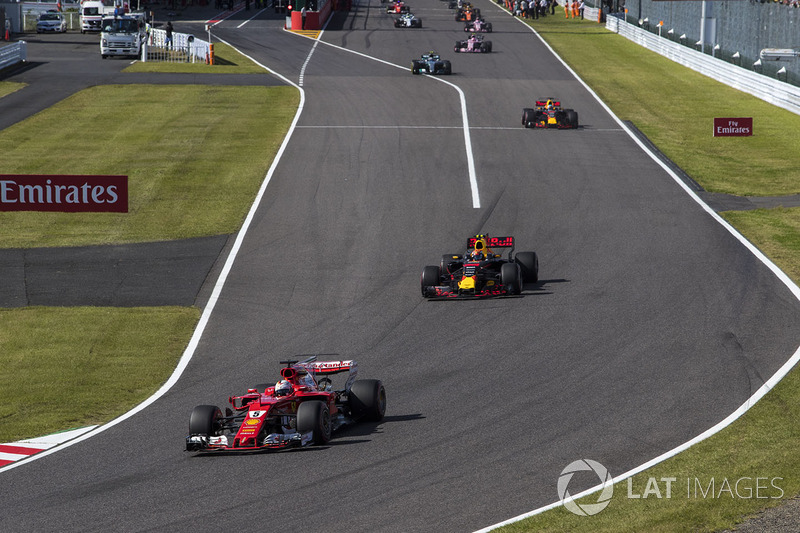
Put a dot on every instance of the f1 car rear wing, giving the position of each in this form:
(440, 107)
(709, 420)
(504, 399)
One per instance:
(311, 366)
(543, 102)
(493, 242)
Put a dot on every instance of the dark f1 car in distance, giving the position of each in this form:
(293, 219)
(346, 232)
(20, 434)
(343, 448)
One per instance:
(474, 44)
(398, 7)
(478, 25)
(431, 63)
(548, 113)
(480, 273)
(300, 410)
(407, 20)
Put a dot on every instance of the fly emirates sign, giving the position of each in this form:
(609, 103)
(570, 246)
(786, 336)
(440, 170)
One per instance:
(64, 193)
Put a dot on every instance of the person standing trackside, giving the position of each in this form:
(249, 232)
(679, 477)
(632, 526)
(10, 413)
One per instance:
(566, 8)
(581, 7)
(303, 16)
(168, 39)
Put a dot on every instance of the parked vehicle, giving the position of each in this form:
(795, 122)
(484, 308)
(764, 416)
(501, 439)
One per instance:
(122, 36)
(52, 21)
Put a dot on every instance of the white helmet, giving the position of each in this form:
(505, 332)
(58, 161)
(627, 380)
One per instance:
(283, 388)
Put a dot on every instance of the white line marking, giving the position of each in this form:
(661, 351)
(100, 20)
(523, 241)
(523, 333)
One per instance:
(473, 180)
(305, 63)
(251, 18)
(205, 317)
(752, 400)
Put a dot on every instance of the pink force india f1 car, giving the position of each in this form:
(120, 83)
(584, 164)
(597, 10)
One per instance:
(474, 44)
(302, 409)
(480, 272)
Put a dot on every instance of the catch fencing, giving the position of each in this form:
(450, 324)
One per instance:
(12, 54)
(185, 48)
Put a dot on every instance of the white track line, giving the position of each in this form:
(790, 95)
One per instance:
(751, 401)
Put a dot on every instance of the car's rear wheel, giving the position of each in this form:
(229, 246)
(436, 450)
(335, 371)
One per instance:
(529, 266)
(367, 399)
(510, 278)
(314, 417)
(431, 277)
(447, 68)
(414, 67)
(205, 420)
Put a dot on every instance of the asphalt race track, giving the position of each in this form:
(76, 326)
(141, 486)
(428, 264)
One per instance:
(650, 322)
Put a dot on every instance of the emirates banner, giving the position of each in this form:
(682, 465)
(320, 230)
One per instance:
(64, 193)
(733, 127)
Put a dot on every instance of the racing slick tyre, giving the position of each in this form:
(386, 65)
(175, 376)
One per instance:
(571, 118)
(528, 117)
(488, 27)
(448, 69)
(430, 278)
(529, 266)
(510, 278)
(486, 47)
(314, 417)
(415, 67)
(205, 420)
(367, 400)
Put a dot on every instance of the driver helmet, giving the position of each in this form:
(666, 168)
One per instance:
(283, 388)
(479, 247)
(549, 104)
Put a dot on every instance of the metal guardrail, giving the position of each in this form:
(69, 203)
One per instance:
(13, 53)
(776, 92)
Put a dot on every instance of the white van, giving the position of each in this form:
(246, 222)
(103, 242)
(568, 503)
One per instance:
(91, 15)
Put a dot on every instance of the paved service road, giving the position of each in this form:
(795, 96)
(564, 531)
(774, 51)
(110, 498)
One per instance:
(650, 322)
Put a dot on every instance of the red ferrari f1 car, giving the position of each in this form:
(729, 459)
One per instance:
(300, 410)
(480, 273)
(548, 113)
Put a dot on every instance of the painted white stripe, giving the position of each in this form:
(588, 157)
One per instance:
(473, 180)
(248, 20)
(206, 316)
(55, 438)
(752, 400)
(12, 456)
(305, 63)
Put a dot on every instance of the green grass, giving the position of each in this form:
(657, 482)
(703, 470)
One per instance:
(71, 367)
(8, 87)
(660, 98)
(194, 156)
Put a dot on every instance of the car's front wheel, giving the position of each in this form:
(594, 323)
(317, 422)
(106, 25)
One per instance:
(314, 417)
(430, 278)
(205, 420)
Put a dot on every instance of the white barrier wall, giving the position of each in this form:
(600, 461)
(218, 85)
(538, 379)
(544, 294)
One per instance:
(781, 94)
(12, 54)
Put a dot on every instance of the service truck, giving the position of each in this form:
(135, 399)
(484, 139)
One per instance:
(122, 35)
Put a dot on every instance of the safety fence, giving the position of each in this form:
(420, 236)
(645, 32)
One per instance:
(11, 54)
(774, 91)
(184, 48)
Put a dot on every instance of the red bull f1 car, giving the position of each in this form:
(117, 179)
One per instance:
(432, 64)
(548, 113)
(474, 44)
(300, 410)
(480, 273)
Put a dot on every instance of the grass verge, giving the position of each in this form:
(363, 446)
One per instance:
(71, 367)
(226, 61)
(674, 107)
(8, 87)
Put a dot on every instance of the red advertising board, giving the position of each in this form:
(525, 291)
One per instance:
(733, 127)
(64, 193)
